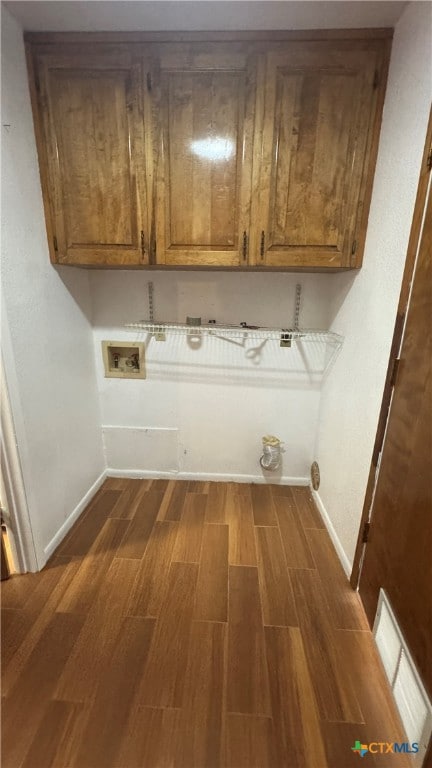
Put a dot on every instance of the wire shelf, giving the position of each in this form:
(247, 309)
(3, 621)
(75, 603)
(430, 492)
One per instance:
(282, 335)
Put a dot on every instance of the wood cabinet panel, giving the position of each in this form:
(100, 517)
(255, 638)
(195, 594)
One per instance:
(95, 155)
(204, 158)
(202, 151)
(317, 119)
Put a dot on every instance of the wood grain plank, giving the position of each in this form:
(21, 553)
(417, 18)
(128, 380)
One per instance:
(197, 486)
(57, 560)
(247, 682)
(159, 485)
(211, 603)
(209, 678)
(308, 512)
(241, 533)
(151, 583)
(187, 548)
(281, 490)
(39, 676)
(249, 742)
(127, 504)
(40, 622)
(15, 591)
(200, 732)
(173, 502)
(216, 500)
(98, 636)
(334, 693)
(136, 537)
(50, 747)
(33, 592)
(82, 536)
(151, 739)
(109, 716)
(90, 575)
(262, 505)
(343, 602)
(164, 677)
(360, 662)
(15, 626)
(115, 484)
(275, 585)
(30, 590)
(294, 541)
(239, 489)
(167, 502)
(294, 708)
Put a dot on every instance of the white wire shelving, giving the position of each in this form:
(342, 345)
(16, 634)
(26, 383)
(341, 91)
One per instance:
(283, 335)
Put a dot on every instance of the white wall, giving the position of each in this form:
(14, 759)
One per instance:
(46, 328)
(203, 412)
(364, 306)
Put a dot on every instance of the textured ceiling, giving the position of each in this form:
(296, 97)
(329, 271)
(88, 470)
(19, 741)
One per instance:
(135, 15)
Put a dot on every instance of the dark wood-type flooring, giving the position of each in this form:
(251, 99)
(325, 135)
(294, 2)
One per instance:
(196, 625)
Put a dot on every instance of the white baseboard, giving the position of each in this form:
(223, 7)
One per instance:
(207, 476)
(346, 564)
(134, 473)
(74, 515)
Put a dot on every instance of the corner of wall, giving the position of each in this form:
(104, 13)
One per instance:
(46, 311)
(364, 306)
(342, 555)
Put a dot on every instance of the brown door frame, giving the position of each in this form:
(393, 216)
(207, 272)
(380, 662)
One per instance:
(390, 379)
(12, 491)
(4, 558)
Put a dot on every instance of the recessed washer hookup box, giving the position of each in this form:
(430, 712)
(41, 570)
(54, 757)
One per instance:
(123, 359)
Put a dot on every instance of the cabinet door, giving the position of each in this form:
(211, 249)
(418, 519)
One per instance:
(93, 133)
(206, 101)
(318, 106)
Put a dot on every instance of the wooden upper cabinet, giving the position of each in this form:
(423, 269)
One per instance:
(244, 150)
(93, 135)
(205, 107)
(318, 110)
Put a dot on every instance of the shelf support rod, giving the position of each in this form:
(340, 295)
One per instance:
(150, 301)
(297, 306)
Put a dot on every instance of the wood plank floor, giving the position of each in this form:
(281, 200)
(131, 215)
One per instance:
(196, 625)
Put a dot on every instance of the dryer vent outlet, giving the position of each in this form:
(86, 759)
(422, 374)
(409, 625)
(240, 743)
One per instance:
(271, 457)
(315, 475)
